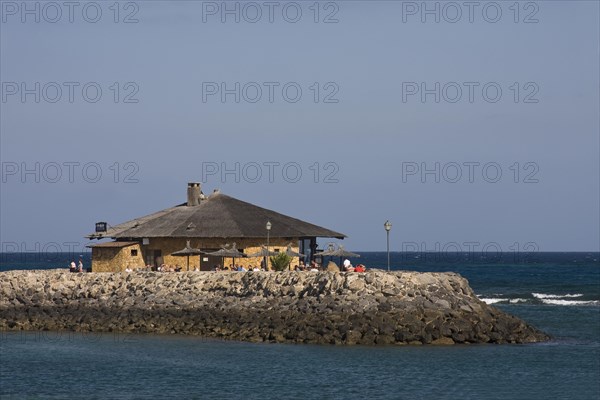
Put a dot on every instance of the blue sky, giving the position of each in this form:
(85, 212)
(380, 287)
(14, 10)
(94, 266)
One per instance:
(519, 99)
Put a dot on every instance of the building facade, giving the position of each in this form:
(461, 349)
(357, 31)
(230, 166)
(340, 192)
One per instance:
(207, 223)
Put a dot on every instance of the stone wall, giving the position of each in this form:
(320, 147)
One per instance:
(302, 307)
(120, 258)
(115, 259)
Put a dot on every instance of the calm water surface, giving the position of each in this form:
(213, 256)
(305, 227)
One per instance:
(559, 293)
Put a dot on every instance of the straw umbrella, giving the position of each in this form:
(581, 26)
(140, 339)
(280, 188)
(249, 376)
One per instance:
(225, 252)
(339, 252)
(188, 251)
(263, 253)
(292, 253)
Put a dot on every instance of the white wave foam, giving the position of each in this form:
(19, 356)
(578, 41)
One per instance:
(555, 296)
(561, 302)
(518, 300)
(493, 300)
(551, 299)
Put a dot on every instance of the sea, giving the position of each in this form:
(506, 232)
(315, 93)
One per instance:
(558, 293)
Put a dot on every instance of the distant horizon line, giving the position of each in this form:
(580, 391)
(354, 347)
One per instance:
(359, 251)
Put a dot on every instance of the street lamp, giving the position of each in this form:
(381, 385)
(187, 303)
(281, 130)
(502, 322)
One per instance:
(388, 228)
(268, 251)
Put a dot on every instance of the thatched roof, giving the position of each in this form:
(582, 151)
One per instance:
(119, 244)
(217, 216)
(339, 252)
(188, 250)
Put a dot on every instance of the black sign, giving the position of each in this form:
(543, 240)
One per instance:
(100, 226)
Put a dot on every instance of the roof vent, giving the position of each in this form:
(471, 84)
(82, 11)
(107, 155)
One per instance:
(193, 194)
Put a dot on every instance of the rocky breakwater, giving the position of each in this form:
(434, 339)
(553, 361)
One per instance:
(301, 307)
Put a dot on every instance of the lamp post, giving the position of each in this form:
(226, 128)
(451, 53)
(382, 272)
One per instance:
(388, 228)
(268, 236)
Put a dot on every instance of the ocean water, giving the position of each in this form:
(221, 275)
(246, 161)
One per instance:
(557, 292)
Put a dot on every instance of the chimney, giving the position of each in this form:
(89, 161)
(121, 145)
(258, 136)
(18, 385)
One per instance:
(193, 194)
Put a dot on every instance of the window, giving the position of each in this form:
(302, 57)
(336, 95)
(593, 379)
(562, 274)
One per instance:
(133, 252)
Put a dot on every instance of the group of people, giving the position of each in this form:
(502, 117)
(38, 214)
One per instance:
(312, 267)
(348, 267)
(76, 267)
(160, 268)
(315, 267)
(168, 268)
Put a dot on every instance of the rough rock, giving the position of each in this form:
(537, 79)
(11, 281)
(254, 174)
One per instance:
(372, 308)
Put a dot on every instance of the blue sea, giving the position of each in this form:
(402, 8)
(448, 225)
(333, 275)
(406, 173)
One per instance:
(557, 292)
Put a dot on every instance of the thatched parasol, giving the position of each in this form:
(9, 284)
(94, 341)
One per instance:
(292, 253)
(339, 252)
(225, 252)
(263, 253)
(188, 251)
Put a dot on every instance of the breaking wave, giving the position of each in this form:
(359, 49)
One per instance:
(501, 300)
(555, 296)
(537, 298)
(561, 302)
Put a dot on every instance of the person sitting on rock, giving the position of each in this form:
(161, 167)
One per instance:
(360, 268)
(348, 266)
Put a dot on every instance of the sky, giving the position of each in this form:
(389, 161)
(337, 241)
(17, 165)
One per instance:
(467, 126)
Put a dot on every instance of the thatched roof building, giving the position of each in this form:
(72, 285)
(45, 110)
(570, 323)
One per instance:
(210, 222)
(217, 216)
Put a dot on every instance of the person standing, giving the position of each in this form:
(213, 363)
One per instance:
(80, 265)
